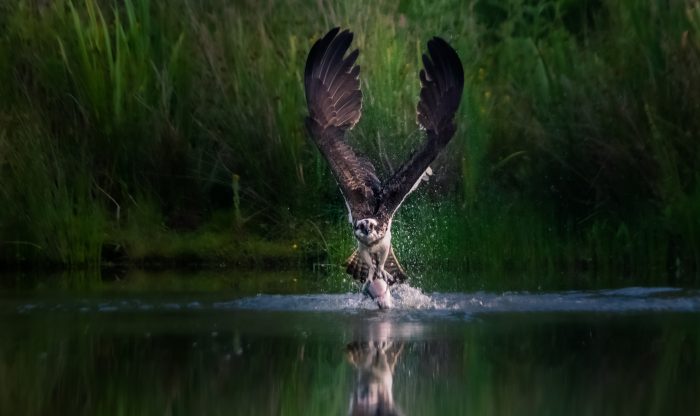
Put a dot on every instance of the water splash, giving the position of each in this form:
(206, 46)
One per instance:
(407, 300)
(408, 297)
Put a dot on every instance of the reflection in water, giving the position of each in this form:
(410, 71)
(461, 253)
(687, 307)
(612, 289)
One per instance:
(189, 354)
(374, 359)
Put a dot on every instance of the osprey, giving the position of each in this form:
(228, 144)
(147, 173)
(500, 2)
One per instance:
(334, 100)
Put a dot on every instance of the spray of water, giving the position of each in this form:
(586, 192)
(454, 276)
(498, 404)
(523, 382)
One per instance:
(409, 302)
(407, 297)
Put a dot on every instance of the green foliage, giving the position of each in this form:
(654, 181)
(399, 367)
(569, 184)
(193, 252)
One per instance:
(48, 210)
(576, 149)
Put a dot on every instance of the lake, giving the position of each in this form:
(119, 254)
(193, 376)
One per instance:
(126, 347)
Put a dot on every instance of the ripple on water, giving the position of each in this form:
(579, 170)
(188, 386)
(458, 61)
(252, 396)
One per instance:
(406, 299)
(633, 299)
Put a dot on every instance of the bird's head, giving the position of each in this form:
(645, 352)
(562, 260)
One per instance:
(368, 231)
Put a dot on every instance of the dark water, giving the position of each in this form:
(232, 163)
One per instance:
(633, 351)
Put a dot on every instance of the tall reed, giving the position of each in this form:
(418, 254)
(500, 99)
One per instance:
(575, 149)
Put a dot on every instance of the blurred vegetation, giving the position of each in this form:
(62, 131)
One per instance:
(133, 130)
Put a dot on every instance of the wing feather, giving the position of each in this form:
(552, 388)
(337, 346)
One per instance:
(442, 82)
(334, 100)
(394, 268)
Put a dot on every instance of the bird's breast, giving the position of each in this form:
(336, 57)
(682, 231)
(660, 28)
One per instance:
(377, 246)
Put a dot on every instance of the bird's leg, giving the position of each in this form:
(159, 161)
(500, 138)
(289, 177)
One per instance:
(365, 288)
(383, 255)
(367, 258)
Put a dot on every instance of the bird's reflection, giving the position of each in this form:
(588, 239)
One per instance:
(374, 356)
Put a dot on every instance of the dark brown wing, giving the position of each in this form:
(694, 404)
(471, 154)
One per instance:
(442, 82)
(334, 100)
(394, 268)
(355, 267)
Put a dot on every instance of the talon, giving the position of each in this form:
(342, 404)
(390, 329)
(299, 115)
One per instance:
(388, 277)
(365, 289)
(372, 273)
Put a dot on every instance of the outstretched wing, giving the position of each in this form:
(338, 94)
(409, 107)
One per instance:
(334, 100)
(442, 82)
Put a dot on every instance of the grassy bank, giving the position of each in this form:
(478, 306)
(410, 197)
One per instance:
(167, 130)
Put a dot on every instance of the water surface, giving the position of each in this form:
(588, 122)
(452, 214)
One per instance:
(632, 351)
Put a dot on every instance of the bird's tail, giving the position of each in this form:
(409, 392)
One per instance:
(359, 270)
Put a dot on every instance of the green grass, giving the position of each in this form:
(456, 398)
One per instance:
(576, 152)
(47, 205)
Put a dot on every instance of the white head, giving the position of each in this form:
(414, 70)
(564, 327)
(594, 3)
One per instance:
(367, 231)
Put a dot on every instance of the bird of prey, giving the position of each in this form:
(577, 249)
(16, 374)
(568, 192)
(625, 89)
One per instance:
(334, 100)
